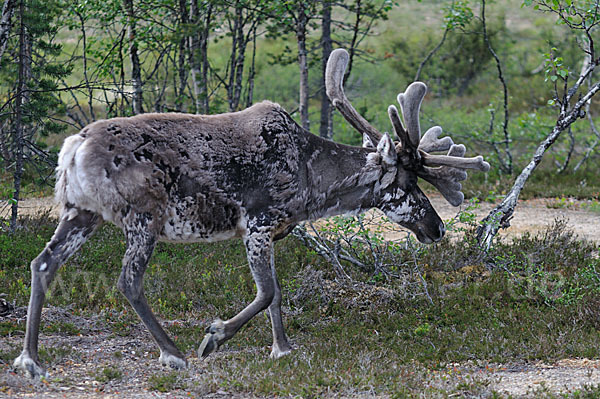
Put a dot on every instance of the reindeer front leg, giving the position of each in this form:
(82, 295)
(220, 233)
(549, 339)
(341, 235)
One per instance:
(258, 248)
(281, 346)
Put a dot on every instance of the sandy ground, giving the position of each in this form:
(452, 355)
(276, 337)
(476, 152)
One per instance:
(535, 215)
(75, 378)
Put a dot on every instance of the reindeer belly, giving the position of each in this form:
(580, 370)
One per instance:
(200, 219)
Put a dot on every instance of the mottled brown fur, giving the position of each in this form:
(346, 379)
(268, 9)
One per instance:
(253, 174)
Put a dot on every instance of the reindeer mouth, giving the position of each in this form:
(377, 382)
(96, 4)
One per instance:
(429, 237)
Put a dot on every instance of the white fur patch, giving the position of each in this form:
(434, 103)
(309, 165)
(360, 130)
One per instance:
(166, 359)
(43, 266)
(405, 213)
(276, 353)
(181, 229)
(25, 363)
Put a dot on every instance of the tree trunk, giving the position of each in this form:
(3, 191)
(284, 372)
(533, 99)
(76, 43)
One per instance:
(181, 67)
(5, 24)
(234, 58)
(303, 64)
(354, 41)
(326, 126)
(240, 61)
(198, 43)
(252, 72)
(136, 70)
(21, 99)
(204, 58)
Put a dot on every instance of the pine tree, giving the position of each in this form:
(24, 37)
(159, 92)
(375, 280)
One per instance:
(29, 74)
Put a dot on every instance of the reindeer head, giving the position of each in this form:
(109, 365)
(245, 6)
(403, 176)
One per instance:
(403, 162)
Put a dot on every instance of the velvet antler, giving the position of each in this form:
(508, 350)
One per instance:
(443, 171)
(334, 80)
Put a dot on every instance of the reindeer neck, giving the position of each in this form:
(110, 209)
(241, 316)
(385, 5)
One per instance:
(340, 178)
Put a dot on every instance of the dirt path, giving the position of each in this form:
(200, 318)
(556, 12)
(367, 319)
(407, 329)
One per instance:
(535, 215)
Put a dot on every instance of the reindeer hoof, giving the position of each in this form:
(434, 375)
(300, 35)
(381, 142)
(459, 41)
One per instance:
(29, 366)
(276, 353)
(211, 341)
(172, 361)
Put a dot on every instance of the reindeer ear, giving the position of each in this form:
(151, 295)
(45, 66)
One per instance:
(387, 150)
(367, 142)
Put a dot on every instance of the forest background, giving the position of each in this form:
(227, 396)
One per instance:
(513, 80)
(499, 74)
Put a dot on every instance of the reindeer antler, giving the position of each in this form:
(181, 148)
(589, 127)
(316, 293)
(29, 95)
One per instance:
(410, 103)
(443, 171)
(334, 86)
(451, 167)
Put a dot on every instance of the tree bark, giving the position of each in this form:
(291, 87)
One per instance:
(237, 37)
(252, 72)
(181, 67)
(6, 24)
(301, 23)
(204, 59)
(136, 70)
(354, 40)
(21, 98)
(326, 126)
(198, 43)
(240, 60)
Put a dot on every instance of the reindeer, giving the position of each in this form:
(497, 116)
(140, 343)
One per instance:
(253, 174)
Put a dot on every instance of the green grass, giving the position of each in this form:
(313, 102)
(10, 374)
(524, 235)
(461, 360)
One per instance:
(108, 373)
(166, 382)
(60, 327)
(536, 298)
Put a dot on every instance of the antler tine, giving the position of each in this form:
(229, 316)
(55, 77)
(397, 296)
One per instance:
(446, 179)
(410, 103)
(334, 79)
(431, 143)
(455, 161)
(401, 133)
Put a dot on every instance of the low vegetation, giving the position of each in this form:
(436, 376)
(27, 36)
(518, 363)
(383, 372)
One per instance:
(367, 316)
(396, 331)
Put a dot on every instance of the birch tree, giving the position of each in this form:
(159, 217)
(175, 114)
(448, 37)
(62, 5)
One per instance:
(571, 95)
(136, 69)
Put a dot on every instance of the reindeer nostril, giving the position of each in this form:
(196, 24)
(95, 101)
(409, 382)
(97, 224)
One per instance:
(442, 230)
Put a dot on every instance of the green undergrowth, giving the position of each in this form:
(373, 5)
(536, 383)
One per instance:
(531, 299)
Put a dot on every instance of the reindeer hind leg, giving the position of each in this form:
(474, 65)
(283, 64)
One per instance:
(140, 245)
(75, 227)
